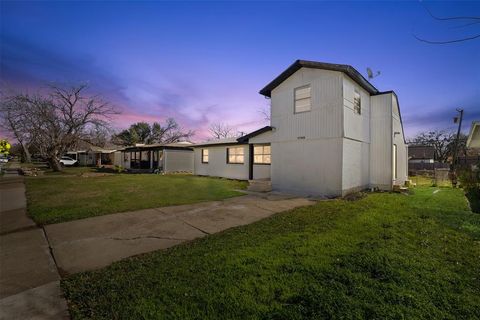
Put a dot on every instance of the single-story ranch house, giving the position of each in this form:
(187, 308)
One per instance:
(167, 158)
(332, 132)
(93, 156)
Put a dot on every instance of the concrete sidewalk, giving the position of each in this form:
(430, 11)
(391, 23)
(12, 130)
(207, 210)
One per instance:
(29, 281)
(96, 242)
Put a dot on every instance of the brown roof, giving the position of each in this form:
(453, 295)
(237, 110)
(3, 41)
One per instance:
(298, 64)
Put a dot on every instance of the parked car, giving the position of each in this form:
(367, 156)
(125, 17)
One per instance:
(67, 161)
(3, 158)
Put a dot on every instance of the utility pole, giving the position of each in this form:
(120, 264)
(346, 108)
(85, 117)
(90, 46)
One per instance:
(455, 148)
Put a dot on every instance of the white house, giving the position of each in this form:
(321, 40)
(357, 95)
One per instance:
(332, 132)
(244, 158)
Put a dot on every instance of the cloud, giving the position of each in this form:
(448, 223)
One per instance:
(420, 119)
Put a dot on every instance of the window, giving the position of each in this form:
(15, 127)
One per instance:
(235, 155)
(261, 155)
(357, 103)
(204, 155)
(302, 99)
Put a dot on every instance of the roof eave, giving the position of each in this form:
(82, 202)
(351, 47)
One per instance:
(298, 64)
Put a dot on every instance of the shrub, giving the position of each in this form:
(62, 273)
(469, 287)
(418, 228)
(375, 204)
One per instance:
(119, 169)
(470, 181)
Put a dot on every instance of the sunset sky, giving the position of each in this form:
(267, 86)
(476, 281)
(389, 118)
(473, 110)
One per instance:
(205, 62)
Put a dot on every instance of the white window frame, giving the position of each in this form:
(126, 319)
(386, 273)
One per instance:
(205, 154)
(305, 98)
(236, 155)
(265, 156)
(357, 102)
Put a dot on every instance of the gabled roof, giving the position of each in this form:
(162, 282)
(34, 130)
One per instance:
(348, 70)
(230, 141)
(254, 134)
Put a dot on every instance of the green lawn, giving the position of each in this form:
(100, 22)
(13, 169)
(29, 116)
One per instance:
(386, 256)
(53, 199)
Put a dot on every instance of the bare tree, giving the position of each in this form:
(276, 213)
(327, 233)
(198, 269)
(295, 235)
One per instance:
(440, 140)
(58, 120)
(222, 131)
(265, 112)
(467, 21)
(12, 115)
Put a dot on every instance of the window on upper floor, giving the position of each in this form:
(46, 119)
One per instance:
(261, 155)
(357, 102)
(235, 155)
(204, 155)
(302, 99)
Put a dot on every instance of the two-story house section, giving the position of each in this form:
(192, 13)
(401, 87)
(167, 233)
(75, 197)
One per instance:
(333, 132)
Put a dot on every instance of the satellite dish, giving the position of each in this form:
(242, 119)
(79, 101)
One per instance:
(370, 73)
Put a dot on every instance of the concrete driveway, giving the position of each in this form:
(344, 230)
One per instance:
(94, 243)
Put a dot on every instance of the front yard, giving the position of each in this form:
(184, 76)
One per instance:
(65, 197)
(386, 256)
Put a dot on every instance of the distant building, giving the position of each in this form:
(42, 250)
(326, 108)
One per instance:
(421, 154)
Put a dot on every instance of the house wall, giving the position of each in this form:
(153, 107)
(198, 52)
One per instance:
(356, 142)
(262, 171)
(217, 165)
(399, 140)
(308, 167)
(125, 159)
(381, 141)
(118, 158)
(178, 160)
(355, 166)
(307, 147)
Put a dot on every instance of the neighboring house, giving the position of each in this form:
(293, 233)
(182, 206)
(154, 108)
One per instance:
(244, 158)
(473, 140)
(421, 154)
(422, 157)
(93, 156)
(472, 158)
(171, 157)
(332, 132)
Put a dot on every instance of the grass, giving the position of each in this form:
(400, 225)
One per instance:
(53, 199)
(385, 256)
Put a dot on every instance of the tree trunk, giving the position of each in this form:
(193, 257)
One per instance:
(27, 158)
(55, 164)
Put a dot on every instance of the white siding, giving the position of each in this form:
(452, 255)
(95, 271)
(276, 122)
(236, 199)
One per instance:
(178, 160)
(307, 147)
(398, 139)
(118, 158)
(356, 167)
(356, 126)
(381, 141)
(217, 165)
(126, 159)
(261, 171)
(307, 167)
(265, 137)
(325, 118)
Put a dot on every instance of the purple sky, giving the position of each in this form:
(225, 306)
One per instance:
(205, 62)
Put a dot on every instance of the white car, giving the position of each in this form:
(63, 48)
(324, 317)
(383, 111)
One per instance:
(67, 161)
(3, 159)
